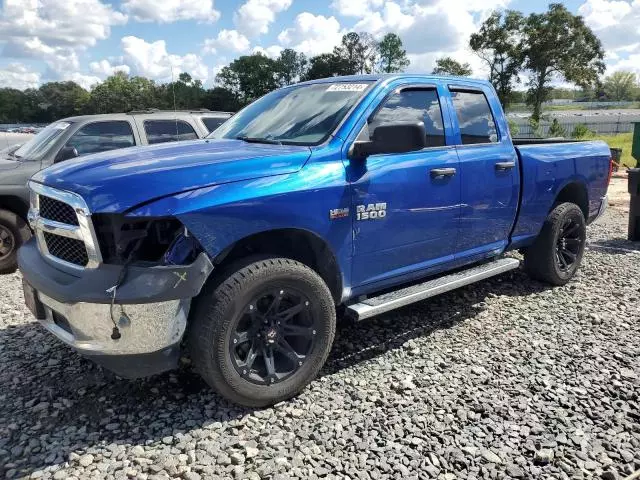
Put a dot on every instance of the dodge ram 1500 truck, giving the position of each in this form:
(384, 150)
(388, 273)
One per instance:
(355, 195)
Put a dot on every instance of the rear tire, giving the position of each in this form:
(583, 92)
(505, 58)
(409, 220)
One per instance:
(14, 231)
(557, 252)
(262, 334)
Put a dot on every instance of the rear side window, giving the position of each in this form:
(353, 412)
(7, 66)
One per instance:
(102, 136)
(474, 117)
(213, 122)
(412, 105)
(160, 131)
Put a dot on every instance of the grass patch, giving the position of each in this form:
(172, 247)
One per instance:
(621, 140)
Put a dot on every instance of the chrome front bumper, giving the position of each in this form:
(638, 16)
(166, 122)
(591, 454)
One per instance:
(144, 328)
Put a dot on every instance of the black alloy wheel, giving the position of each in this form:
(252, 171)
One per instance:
(261, 330)
(273, 337)
(557, 252)
(568, 245)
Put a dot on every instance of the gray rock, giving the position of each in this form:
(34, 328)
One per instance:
(543, 457)
(491, 457)
(86, 460)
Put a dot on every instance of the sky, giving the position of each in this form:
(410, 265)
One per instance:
(88, 40)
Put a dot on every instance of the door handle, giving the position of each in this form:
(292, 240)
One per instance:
(442, 172)
(504, 166)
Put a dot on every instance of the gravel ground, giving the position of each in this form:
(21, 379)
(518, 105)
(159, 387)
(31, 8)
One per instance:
(506, 378)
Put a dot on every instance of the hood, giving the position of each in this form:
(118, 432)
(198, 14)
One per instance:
(7, 162)
(118, 180)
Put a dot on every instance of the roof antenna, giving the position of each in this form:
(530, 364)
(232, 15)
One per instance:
(175, 109)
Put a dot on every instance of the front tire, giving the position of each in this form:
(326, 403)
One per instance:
(13, 233)
(263, 333)
(557, 252)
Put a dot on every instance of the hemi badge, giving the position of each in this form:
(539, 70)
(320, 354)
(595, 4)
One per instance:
(338, 213)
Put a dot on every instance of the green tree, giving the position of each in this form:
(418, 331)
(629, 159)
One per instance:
(249, 77)
(449, 66)
(291, 66)
(497, 44)
(12, 104)
(185, 93)
(327, 65)
(558, 44)
(122, 93)
(557, 130)
(621, 86)
(581, 131)
(393, 58)
(221, 99)
(62, 99)
(358, 51)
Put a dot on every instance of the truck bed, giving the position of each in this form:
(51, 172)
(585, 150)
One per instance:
(547, 167)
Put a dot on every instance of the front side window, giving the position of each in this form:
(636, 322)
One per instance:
(161, 131)
(102, 136)
(299, 115)
(474, 117)
(412, 106)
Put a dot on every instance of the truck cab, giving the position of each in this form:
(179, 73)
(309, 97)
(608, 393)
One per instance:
(341, 197)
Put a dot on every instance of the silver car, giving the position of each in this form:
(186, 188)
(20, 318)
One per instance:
(76, 136)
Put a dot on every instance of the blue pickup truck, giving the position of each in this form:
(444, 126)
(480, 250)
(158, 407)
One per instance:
(341, 197)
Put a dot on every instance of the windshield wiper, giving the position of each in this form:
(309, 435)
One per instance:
(244, 138)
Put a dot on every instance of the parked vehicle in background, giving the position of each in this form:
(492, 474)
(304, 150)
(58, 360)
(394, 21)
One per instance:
(356, 194)
(78, 136)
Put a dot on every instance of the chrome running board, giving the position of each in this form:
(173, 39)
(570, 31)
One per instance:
(415, 293)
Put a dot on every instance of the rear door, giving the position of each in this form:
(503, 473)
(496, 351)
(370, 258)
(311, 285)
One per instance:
(405, 212)
(162, 131)
(489, 174)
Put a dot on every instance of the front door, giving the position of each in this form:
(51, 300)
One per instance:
(406, 205)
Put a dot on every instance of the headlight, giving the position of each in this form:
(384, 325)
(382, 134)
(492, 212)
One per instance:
(157, 240)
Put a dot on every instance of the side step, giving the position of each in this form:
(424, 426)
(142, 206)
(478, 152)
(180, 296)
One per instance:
(415, 293)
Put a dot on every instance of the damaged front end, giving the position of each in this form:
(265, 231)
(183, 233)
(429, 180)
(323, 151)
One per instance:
(127, 312)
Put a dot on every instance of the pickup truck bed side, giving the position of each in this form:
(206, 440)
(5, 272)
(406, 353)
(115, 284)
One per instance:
(579, 168)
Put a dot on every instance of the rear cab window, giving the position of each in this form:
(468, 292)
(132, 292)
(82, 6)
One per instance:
(161, 131)
(98, 137)
(475, 119)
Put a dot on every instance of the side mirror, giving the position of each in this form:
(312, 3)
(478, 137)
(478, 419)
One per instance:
(66, 153)
(392, 138)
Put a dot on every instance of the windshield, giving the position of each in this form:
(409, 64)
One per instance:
(303, 114)
(38, 146)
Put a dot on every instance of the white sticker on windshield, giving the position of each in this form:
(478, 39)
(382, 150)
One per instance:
(347, 87)
(61, 125)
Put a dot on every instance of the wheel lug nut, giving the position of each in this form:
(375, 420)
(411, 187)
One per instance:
(299, 364)
(244, 372)
(250, 307)
(306, 304)
(281, 292)
(313, 332)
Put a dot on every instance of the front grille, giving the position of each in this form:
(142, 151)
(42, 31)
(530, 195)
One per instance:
(58, 211)
(67, 249)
